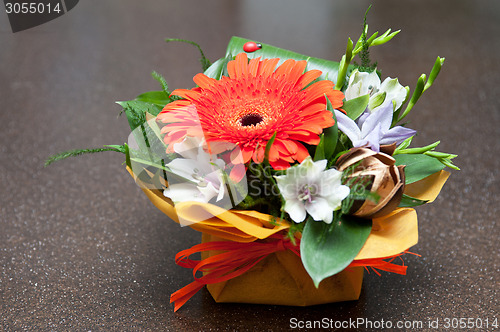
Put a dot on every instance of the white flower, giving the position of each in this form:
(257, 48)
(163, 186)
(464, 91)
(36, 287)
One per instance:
(201, 174)
(363, 83)
(310, 188)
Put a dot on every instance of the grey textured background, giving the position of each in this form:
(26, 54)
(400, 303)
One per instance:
(81, 248)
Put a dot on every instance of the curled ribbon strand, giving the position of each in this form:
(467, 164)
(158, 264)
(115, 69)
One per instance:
(238, 257)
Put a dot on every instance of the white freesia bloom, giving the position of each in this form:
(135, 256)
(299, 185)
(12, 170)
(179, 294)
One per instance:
(310, 188)
(363, 83)
(202, 174)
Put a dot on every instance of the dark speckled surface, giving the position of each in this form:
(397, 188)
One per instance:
(82, 249)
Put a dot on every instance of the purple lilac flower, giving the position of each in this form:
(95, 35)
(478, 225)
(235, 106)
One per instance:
(373, 129)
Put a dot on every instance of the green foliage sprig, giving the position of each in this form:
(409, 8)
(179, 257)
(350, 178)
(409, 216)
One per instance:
(444, 158)
(362, 46)
(366, 64)
(205, 63)
(422, 84)
(79, 152)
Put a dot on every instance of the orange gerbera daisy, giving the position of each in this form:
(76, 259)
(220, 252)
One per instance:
(253, 103)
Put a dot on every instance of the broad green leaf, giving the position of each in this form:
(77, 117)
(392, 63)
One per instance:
(331, 134)
(158, 98)
(355, 107)
(418, 166)
(329, 68)
(408, 201)
(328, 249)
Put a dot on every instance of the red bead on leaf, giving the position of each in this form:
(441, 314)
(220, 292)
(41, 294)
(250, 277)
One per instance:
(251, 47)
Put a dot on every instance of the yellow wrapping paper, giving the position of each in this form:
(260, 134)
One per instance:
(280, 278)
(429, 187)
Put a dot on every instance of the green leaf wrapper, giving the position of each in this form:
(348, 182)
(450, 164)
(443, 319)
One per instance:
(329, 69)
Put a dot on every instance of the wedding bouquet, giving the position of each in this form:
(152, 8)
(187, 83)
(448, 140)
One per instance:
(297, 170)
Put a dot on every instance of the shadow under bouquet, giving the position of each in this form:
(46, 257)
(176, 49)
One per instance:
(297, 171)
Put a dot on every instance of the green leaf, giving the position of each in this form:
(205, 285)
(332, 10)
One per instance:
(341, 74)
(320, 149)
(408, 201)
(328, 249)
(329, 68)
(135, 110)
(418, 166)
(355, 107)
(268, 146)
(447, 162)
(406, 143)
(331, 134)
(127, 155)
(377, 100)
(217, 69)
(437, 154)
(158, 98)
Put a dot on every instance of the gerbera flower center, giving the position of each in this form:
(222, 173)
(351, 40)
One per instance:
(251, 119)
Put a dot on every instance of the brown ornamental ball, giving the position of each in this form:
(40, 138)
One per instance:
(377, 172)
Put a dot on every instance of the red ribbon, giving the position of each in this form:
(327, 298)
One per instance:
(238, 258)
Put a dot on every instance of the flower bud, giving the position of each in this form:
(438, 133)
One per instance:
(379, 174)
